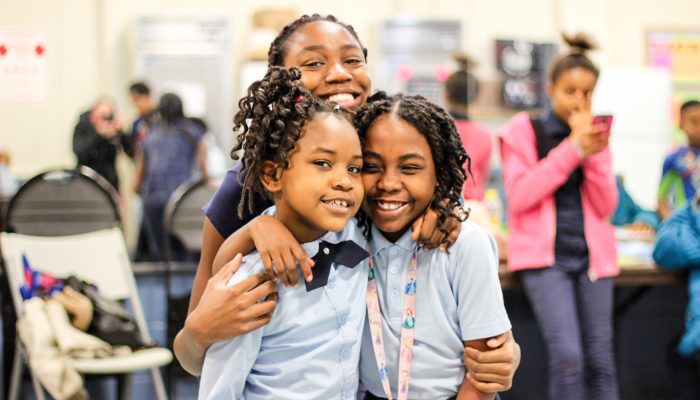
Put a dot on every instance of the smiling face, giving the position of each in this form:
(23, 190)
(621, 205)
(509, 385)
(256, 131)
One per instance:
(399, 181)
(573, 89)
(331, 61)
(322, 188)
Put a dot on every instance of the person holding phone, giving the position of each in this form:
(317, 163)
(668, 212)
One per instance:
(561, 192)
(97, 138)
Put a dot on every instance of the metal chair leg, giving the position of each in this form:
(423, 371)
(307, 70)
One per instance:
(158, 384)
(16, 376)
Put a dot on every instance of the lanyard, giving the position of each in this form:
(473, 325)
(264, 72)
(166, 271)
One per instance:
(407, 329)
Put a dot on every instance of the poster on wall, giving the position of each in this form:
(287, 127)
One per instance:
(678, 52)
(24, 65)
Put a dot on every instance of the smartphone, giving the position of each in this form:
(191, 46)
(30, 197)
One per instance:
(604, 120)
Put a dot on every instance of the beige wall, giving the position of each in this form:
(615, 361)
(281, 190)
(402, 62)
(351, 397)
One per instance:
(92, 45)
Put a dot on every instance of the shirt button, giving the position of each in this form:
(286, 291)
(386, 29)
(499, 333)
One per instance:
(346, 394)
(393, 270)
(395, 293)
(345, 355)
(326, 251)
(344, 318)
(331, 283)
(394, 251)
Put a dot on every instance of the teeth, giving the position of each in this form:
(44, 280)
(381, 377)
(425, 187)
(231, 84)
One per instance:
(339, 203)
(388, 206)
(341, 97)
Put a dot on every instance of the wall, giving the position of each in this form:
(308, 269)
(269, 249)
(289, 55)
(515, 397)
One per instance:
(92, 45)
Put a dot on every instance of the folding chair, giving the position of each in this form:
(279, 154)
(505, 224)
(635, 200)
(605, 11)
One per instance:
(63, 202)
(100, 257)
(183, 222)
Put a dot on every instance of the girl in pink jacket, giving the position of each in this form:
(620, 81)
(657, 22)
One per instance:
(560, 193)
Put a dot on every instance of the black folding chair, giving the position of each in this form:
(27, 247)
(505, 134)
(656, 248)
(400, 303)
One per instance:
(56, 202)
(183, 224)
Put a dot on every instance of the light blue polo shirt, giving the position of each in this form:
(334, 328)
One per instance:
(458, 298)
(311, 347)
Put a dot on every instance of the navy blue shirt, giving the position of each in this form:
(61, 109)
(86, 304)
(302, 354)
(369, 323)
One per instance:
(570, 248)
(222, 210)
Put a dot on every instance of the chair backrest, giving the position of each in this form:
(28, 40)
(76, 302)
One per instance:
(184, 217)
(62, 202)
(100, 257)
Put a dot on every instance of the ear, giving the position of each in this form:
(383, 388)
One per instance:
(270, 177)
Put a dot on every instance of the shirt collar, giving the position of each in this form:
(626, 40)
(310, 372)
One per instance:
(379, 242)
(554, 126)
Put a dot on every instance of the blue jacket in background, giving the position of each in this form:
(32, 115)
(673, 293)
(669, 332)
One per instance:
(629, 212)
(678, 247)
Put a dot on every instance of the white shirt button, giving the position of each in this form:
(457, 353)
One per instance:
(345, 355)
(331, 283)
(395, 293)
(326, 251)
(394, 251)
(393, 270)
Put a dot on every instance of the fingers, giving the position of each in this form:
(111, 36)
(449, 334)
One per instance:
(429, 227)
(416, 228)
(452, 237)
(290, 268)
(503, 355)
(488, 386)
(279, 269)
(305, 262)
(498, 341)
(261, 291)
(228, 269)
(250, 283)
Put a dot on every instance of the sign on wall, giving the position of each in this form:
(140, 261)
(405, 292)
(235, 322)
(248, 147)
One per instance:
(24, 65)
(678, 52)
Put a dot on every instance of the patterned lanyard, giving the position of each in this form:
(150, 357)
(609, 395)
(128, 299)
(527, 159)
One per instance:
(407, 328)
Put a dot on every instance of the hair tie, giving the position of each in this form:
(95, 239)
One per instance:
(297, 99)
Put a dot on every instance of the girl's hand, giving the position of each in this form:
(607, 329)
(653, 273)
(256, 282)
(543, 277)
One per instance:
(424, 230)
(225, 312)
(590, 138)
(279, 250)
(492, 371)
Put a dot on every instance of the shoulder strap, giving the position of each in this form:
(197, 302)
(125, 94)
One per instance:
(543, 141)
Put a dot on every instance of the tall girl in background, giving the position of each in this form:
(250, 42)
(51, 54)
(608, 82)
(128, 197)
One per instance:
(561, 193)
(332, 61)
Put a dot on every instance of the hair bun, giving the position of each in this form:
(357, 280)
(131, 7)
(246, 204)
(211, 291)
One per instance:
(578, 43)
(464, 61)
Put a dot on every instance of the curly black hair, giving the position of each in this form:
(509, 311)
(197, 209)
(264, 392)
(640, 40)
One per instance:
(270, 121)
(439, 129)
(278, 48)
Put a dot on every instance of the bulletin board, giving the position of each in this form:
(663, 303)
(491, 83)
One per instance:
(678, 52)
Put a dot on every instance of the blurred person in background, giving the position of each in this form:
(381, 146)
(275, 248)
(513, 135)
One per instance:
(677, 247)
(140, 95)
(165, 160)
(98, 137)
(561, 192)
(680, 179)
(460, 91)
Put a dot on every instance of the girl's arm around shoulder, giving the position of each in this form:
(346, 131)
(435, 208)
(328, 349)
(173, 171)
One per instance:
(279, 250)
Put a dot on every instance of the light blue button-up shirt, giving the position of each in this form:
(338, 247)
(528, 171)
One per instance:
(311, 347)
(458, 298)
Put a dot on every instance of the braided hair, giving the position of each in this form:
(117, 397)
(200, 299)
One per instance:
(445, 144)
(579, 45)
(270, 121)
(278, 48)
